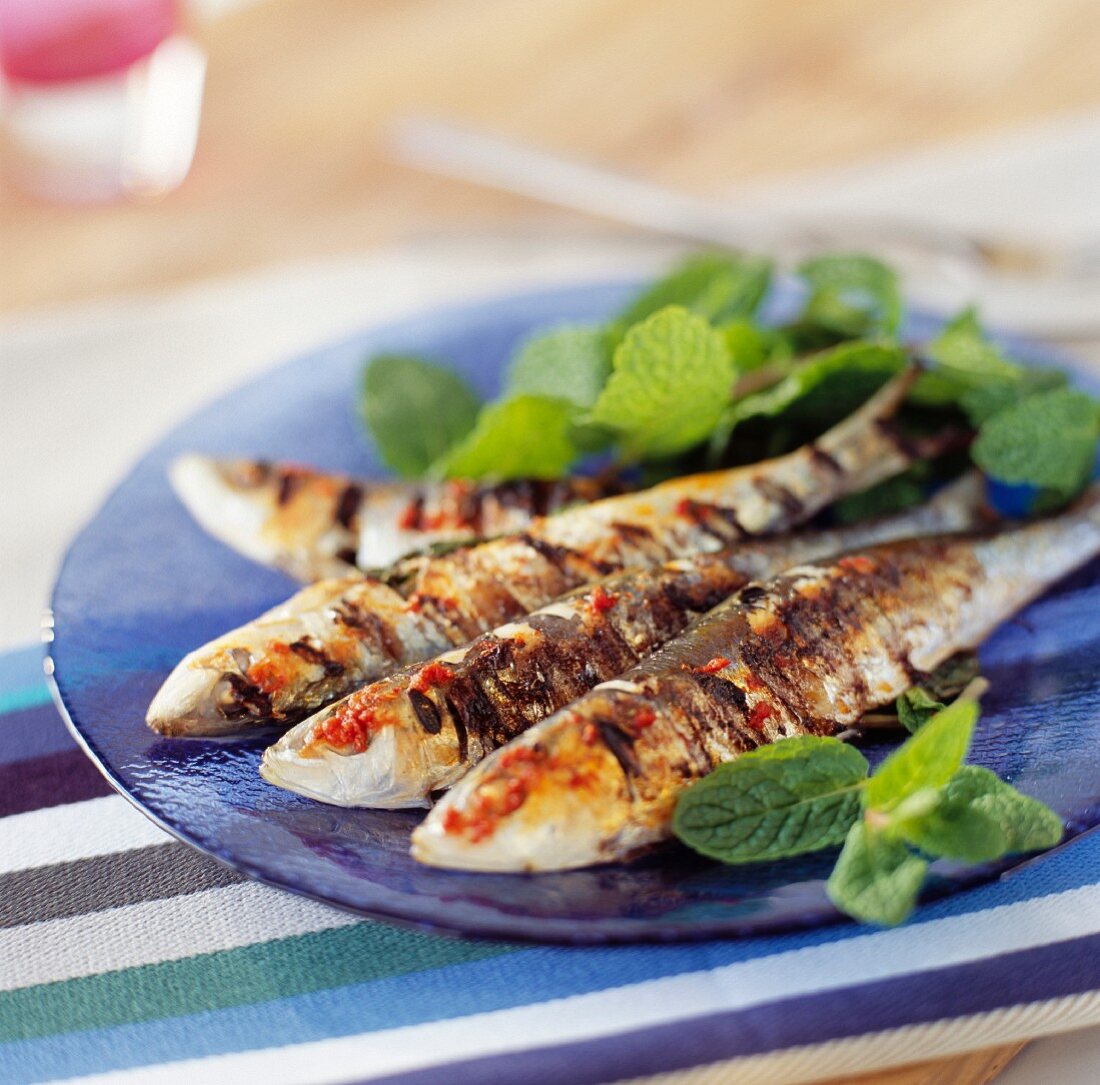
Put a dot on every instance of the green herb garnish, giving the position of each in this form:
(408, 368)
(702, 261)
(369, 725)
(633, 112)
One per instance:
(805, 794)
(689, 376)
(670, 378)
(498, 445)
(415, 410)
(570, 363)
(792, 797)
(1047, 440)
(718, 287)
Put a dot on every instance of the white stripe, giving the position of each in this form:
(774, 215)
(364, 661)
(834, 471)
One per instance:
(877, 955)
(157, 930)
(78, 830)
(839, 1059)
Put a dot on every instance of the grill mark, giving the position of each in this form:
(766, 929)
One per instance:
(752, 595)
(412, 516)
(621, 746)
(722, 691)
(908, 446)
(558, 556)
(427, 715)
(730, 517)
(312, 654)
(546, 496)
(779, 494)
(514, 495)
(470, 703)
(824, 459)
(459, 724)
(635, 533)
(702, 593)
(288, 483)
(692, 721)
(355, 617)
(246, 698)
(471, 510)
(348, 505)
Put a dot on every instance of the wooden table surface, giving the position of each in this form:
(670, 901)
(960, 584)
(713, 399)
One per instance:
(291, 162)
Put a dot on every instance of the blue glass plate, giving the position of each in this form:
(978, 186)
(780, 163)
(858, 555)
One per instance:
(142, 585)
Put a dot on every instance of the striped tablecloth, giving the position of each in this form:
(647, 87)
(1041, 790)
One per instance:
(124, 953)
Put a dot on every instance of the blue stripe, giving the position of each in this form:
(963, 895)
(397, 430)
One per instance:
(14, 700)
(1029, 976)
(32, 732)
(523, 978)
(21, 667)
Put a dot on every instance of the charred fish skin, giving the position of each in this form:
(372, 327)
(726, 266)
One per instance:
(304, 522)
(393, 743)
(457, 596)
(315, 525)
(329, 637)
(807, 652)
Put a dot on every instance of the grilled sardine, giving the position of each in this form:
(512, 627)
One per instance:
(807, 652)
(311, 524)
(338, 635)
(394, 742)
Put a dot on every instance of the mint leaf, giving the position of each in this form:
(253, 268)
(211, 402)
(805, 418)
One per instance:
(825, 388)
(984, 401)
(415, 410)
(955, 829)
(752, 346)
(897, 493)
(876, 878)
(851, 294)
(566, 363)
(716, 287)
(919, 704)
(1025, 823)
(927, 760)
(523, 437)
(670, 379)
(798, 795)
(970, 371)
(916, 707)
(1047, 440)
(973, 373)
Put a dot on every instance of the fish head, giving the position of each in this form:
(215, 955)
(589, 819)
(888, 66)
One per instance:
(550, 800)
(390, 764)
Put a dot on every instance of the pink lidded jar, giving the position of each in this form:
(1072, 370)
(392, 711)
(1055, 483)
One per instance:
(101, 98)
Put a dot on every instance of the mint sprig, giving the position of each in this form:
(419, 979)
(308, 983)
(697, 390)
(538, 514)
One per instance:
(922, 803)
(1047, 440)
(877, 879)
(415, 410)
(916, 706)
(796, 796)
(526, 436)
(670, 378)
(827, 386)
(927, 760)
(715, 286)
(714, 386)
(570, 363)
(850, 295)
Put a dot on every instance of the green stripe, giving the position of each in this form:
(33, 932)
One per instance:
(232, 977)
(15, 700)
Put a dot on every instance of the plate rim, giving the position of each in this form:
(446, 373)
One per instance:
(501, 927)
